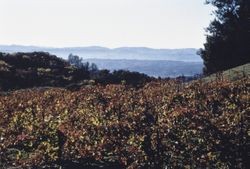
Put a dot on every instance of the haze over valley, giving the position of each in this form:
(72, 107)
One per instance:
(153, 62)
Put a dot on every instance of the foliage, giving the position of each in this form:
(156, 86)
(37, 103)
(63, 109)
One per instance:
(25, 70)
(77, 61)
(134, 79)
(228, 36)
(39, 69)
(165, 123)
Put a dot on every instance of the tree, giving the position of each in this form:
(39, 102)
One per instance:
(93, 68)
(75, 60)
(228, 38)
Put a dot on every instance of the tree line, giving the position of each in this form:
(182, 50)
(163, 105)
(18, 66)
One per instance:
(105, 76)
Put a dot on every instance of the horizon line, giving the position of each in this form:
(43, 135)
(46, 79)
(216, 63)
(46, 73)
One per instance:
(98, 46)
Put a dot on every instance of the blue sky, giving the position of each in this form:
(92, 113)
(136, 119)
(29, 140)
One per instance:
(109, 23)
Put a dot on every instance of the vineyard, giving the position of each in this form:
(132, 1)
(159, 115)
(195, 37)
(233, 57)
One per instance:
(163, 124)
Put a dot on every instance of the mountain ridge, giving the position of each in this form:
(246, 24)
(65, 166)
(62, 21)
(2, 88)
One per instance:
(99, 52)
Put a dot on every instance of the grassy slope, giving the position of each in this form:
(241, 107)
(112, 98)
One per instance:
(231, 74)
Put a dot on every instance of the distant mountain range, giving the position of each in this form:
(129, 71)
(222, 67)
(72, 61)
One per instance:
(138, 53)
(153, 62)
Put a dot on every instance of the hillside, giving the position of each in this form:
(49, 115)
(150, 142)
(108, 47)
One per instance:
(231, 74)
(41, 69)
(164, 124)
(37, 69)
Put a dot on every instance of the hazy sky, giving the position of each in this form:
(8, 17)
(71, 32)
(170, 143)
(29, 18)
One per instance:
(109, 23)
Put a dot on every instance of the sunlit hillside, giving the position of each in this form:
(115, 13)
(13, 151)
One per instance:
(165, 123)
